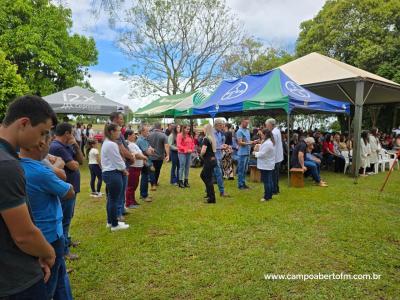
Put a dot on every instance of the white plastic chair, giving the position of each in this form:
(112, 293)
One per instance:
(346, 159)
(391, 156)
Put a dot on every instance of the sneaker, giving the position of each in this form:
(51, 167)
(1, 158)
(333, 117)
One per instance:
(153, 188)
(246, 187)
(121, 219)
(263, 200)
(225, 195)
(133, 206)
(120, 227)
(147, 199)
(71, 256)
(119, 223)
(93, 195)
(100, 194)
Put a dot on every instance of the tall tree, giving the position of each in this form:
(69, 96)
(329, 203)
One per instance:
(176, 45)
(251, 57)
(35, 36)
(11, 83)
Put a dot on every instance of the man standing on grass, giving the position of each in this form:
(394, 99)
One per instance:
(147, 150)
(159, 142)
(25, 256)
(220, 143)
(45, 190)
(65, 146)
(244, 144)
(271, 125)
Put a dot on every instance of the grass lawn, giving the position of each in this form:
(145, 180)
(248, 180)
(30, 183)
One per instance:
(179, 248)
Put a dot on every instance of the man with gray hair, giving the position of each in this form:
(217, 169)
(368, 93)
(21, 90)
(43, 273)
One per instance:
(303, 159)
(220, 141)
(271, 125)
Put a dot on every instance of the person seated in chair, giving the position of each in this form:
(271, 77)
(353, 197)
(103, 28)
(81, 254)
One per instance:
(311, 166)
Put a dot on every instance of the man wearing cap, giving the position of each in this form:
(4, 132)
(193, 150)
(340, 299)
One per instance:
(302, 158)
(271, 125)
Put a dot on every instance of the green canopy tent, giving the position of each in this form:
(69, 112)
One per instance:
(171, 106)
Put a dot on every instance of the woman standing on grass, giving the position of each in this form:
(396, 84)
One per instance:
(265, 154)
(134, 170)
(185, 146)
(114, 169)
(173, 149)
(95, 168)
(207, 152)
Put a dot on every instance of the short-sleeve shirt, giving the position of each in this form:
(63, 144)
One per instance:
(67, 154)
(93, 154)
(300, 147)
(18, 270)
(45, 190)
(244, 135)
(143, 144)
(220, 140)
(157, 139)
(133, 148)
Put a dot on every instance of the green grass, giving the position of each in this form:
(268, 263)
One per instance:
(180, 248)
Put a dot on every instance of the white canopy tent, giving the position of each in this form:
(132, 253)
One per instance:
(333, 79)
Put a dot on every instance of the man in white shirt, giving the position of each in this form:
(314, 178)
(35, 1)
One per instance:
(271, 125)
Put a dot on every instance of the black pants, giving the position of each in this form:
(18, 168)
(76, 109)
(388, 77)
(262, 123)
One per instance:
(339, 164)
(95, 171)
(157, 169)
(206, 176)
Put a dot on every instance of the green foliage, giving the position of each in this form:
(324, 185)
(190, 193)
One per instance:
(363, 33)
(35, 36)
(180, 248)
(11, 83)
(251, 57)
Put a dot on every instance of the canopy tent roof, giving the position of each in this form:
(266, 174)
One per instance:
(171, 106)
(272, 90)
(77, 100)
(336, 80)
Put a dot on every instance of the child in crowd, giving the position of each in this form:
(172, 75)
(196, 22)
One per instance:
(95, 168)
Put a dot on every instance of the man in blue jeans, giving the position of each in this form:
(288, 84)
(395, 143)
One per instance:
(65, 146)
(45, 191)
(147, 150)
(220, 141)
(244, 147)
(310, 165)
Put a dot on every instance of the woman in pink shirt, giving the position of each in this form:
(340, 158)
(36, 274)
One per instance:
(185, 146)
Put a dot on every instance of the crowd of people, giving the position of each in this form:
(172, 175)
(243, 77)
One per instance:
(40, 178)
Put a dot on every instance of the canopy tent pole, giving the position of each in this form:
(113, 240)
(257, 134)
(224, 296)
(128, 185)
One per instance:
(288, 148)
(357, 121)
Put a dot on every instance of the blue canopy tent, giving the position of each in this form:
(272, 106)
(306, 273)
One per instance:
(272, 91)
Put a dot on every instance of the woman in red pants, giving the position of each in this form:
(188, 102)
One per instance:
(134, 169)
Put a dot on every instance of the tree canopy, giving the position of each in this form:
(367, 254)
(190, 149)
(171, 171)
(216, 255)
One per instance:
(39, 49)
(365, 34)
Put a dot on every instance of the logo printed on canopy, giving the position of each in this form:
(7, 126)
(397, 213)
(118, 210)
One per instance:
(72, 101)
(294, 88)
(236, 91)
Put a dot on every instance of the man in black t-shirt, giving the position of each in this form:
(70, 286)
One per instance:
(25, 255)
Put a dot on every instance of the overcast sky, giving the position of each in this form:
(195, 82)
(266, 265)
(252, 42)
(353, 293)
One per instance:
(275, 22)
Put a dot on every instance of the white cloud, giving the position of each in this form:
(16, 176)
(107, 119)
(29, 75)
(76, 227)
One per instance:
(116, 89)
(275, 21)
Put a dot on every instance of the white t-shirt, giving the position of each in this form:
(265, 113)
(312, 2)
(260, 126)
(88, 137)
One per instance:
(93, 154)
(78, 135)
(134, 149)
